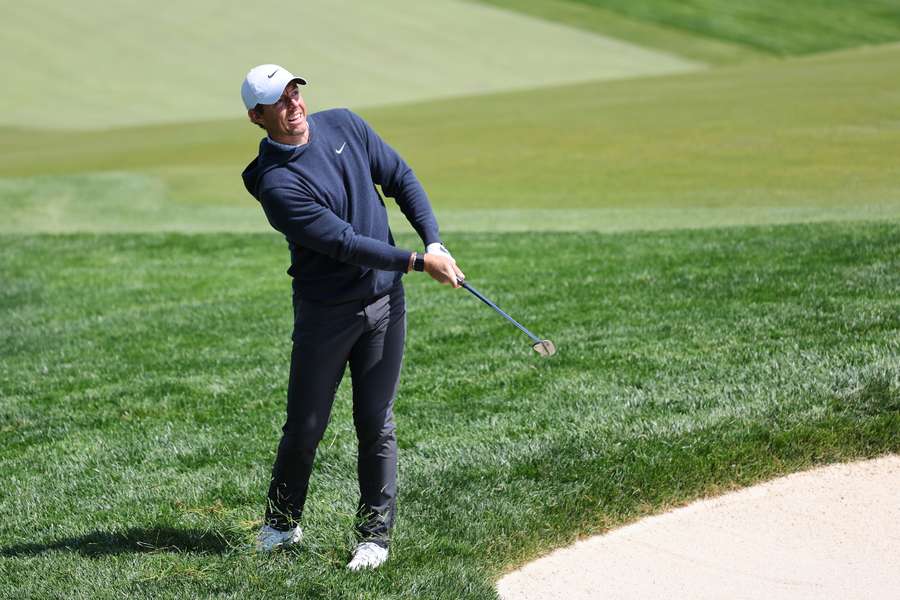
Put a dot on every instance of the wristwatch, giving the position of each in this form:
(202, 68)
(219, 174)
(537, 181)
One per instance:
(419, 263)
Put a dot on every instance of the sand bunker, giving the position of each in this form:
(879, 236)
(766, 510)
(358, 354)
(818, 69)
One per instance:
(833, 532)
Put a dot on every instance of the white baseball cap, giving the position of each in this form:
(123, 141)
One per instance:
(265, 84)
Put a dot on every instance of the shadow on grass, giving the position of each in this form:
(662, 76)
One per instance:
(137, 539)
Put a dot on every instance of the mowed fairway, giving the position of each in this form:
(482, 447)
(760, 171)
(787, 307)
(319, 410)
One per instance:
(145, 316)
(801, 140)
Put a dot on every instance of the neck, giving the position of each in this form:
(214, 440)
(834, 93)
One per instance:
(292, 140)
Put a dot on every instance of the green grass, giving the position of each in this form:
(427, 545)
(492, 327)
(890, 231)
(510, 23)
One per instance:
(646, 33)
(143, 372)
(142, 387)
(807, 139)
(76, 68)
(724, 31)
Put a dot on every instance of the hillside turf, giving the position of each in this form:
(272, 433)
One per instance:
(725, 31)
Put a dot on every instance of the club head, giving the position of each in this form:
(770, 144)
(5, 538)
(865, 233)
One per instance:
(544, 348)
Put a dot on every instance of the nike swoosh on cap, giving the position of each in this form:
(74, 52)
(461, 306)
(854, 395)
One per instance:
(273, 73)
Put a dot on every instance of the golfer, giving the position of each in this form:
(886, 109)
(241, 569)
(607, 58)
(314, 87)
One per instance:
(315, 178)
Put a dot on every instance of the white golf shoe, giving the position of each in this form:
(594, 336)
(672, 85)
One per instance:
(269, 538)
(367, 555)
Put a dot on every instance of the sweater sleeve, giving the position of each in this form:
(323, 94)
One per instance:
(398, 181)
(312, 225)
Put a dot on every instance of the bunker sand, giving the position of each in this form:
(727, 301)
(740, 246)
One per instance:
(832, 532)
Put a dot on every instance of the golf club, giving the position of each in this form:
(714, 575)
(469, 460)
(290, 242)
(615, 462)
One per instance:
(543, 347)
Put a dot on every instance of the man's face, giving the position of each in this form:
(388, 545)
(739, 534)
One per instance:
(285, 121)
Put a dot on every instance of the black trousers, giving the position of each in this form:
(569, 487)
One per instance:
(370, 337)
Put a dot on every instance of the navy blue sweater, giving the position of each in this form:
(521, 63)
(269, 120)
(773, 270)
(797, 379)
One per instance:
(322, 197)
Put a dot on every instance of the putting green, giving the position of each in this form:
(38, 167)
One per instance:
(94, 64)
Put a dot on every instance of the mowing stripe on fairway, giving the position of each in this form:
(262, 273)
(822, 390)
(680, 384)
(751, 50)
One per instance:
(133, 202)
(102, 65)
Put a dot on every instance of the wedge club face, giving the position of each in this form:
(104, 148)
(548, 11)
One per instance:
(545, 348)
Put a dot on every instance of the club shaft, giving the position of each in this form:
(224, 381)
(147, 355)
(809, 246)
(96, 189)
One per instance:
(478, 295)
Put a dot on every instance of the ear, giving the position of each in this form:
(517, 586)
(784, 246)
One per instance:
(254, 117)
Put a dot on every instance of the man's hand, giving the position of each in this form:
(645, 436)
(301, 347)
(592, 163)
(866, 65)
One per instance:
(443, 269)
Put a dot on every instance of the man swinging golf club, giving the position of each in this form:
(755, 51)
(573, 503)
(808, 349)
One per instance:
(315, 178)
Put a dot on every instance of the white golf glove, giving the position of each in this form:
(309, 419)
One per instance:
(438, 248)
